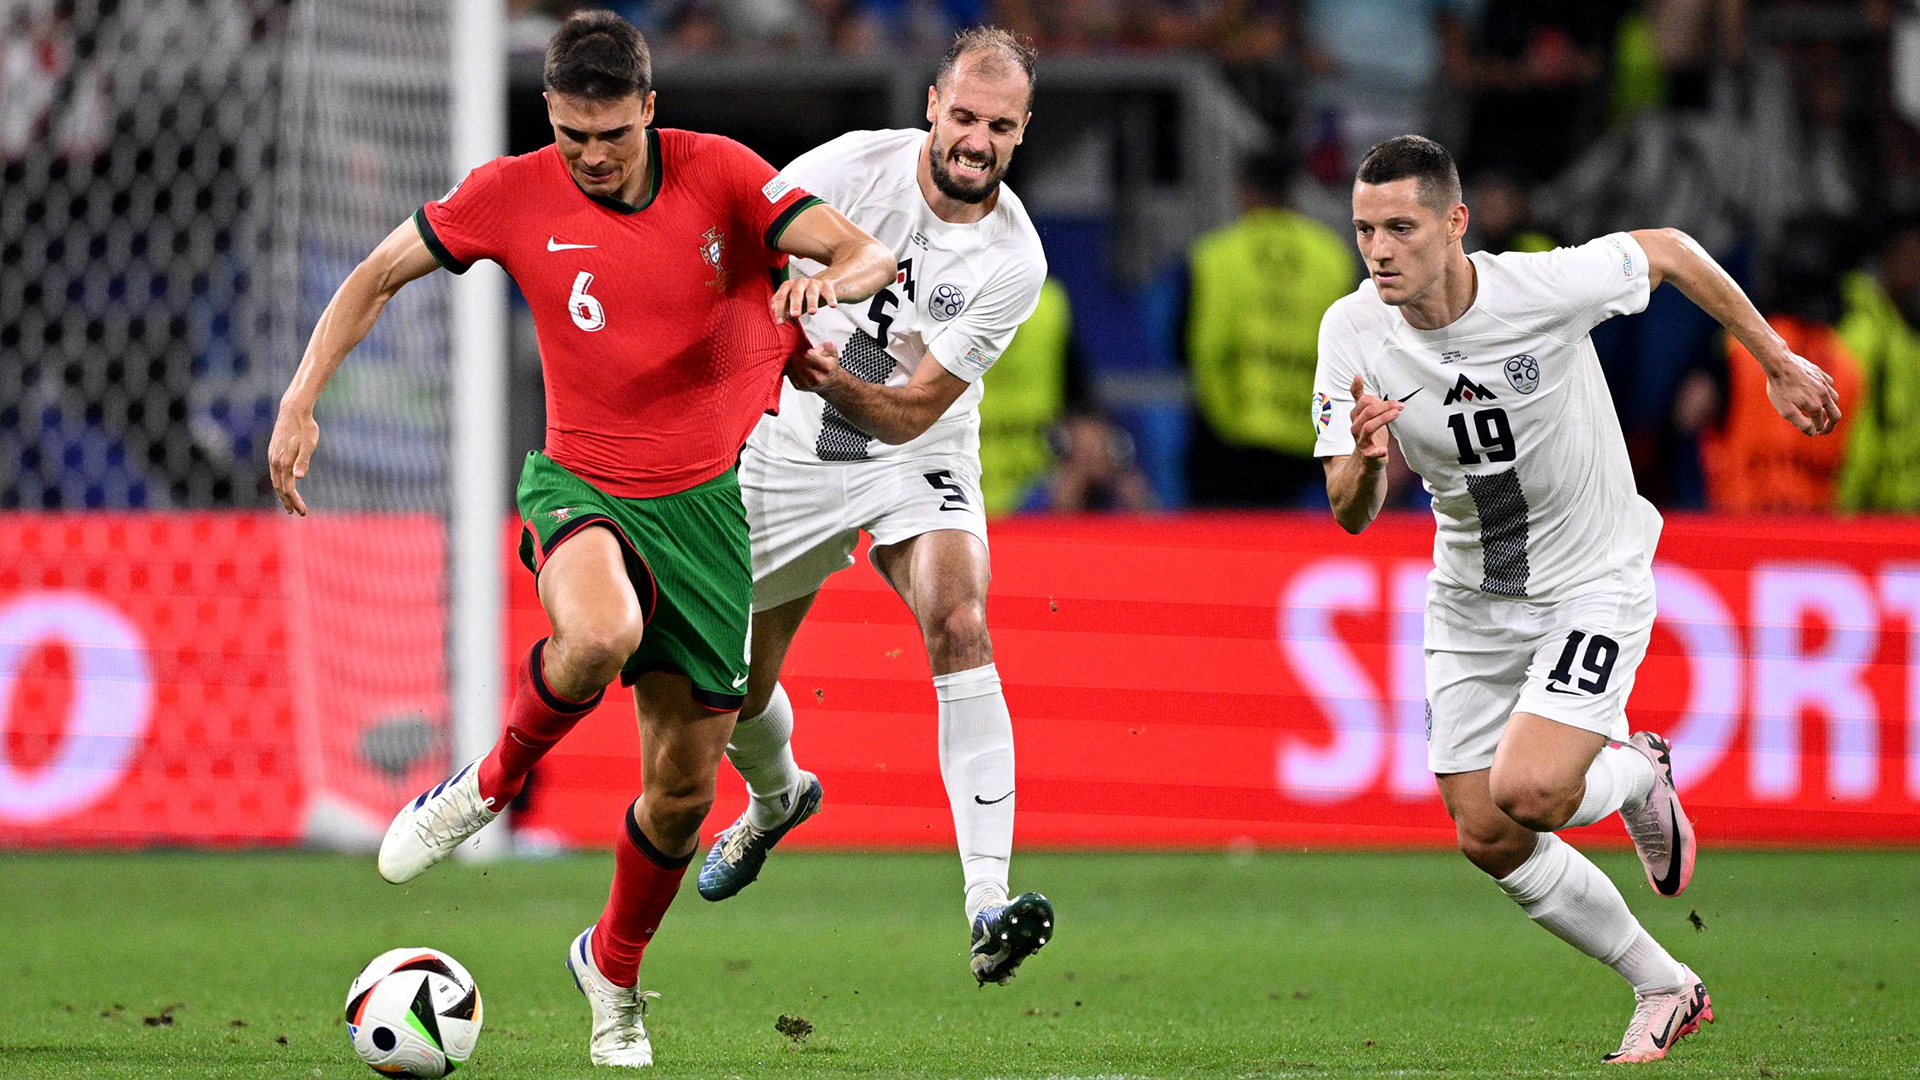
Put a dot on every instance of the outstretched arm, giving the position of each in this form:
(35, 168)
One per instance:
(892, 414)
(1357, 482)
(400, 258)
(1799, 390)
(857, 265)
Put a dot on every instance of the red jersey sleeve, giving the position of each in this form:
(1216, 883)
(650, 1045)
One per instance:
(764, 202)
(469, 222)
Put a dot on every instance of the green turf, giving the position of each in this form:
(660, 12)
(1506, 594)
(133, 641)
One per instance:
(1174, 965)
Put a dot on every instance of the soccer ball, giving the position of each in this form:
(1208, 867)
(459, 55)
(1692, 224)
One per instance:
(413, 1012)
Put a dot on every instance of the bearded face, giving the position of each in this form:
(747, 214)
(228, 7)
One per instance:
(978, 117)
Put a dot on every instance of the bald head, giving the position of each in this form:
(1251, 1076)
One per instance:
(988, 54)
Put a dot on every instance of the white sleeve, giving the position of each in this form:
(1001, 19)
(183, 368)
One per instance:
(1591, 283)
(820, 172)
(970, 343)
(1333, 372)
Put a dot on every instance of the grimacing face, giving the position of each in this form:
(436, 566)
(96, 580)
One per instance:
(1402, 240)
(976, 123)
(601, 141)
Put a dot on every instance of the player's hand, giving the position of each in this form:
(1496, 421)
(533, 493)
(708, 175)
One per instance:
(1803, 394)
(802, 296)
(1371, 416)
(295, 434)
(819, 368)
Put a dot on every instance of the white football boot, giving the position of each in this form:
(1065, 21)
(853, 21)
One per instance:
(619, 1012)
(427, 829)
(1663, 1019)
(1662, 834)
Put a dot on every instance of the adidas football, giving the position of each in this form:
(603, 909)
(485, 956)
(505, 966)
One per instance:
(413, 1012)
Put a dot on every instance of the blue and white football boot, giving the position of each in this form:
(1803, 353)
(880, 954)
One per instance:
(740, 851)
(1005, 934)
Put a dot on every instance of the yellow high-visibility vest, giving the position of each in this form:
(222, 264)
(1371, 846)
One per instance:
(1882, 467)
(1259, 287)
(1025, 392)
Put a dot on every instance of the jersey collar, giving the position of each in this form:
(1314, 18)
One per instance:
(657, 167)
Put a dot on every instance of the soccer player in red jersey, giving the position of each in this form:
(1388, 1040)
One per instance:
(647, 258)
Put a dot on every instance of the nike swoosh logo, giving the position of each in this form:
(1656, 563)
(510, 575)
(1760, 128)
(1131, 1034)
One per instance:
(554, 246)
(1667, 885)
(1552, 689)
(990, 802)
(739, 682)
(1416, 390)
(1660, 1040)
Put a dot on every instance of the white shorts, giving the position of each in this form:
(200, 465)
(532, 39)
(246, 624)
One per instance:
(1571, 660)
(806, 517)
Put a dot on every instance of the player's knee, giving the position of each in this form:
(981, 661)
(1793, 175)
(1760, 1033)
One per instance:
(957, 640)
(593, 653)
(1496, 849)
(1532, 801)
(677, 810)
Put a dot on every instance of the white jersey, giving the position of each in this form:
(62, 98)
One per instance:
(960, 293)
(1507, 419)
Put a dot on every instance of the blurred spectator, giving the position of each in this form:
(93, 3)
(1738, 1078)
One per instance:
(1754, 460)
(1093, 470)
(1374, 67)
(1535, 70)
(1882, 328)
(918, 27)
(1669, 53)
(1030, 384)
(1255, 292)
(55, 98)
(1502, 217)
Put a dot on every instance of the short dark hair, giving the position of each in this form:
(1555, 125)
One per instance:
(999, 50)
(1418, 157)
(598, 56)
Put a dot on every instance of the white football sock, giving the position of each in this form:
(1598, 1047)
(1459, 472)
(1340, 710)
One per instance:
(762, 750)
(976, 762)
(1619, 777)
(1562, 890)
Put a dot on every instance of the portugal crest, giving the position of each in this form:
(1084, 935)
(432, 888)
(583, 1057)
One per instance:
(713, 251)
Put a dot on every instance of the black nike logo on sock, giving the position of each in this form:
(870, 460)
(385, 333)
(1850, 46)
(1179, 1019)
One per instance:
(990, 802)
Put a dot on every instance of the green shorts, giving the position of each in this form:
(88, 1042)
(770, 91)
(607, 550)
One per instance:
(687, 556)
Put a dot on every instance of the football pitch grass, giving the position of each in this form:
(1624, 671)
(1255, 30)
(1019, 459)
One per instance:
(1308, 965)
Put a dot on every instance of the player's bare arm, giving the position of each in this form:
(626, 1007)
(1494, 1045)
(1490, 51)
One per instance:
(892, 414)
(350, 315)
(1801, 392)
(857, 265)
(1357, 482)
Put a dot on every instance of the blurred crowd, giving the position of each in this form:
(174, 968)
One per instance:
(1781, 135)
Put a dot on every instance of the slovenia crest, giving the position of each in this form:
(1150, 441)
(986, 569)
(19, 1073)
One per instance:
(1523, 372)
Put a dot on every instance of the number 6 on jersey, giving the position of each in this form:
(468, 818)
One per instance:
(586, 310)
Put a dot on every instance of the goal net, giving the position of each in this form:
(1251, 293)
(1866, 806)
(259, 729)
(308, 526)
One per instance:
(186, 183)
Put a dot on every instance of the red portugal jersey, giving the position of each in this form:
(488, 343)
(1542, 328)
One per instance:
(655, 341)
